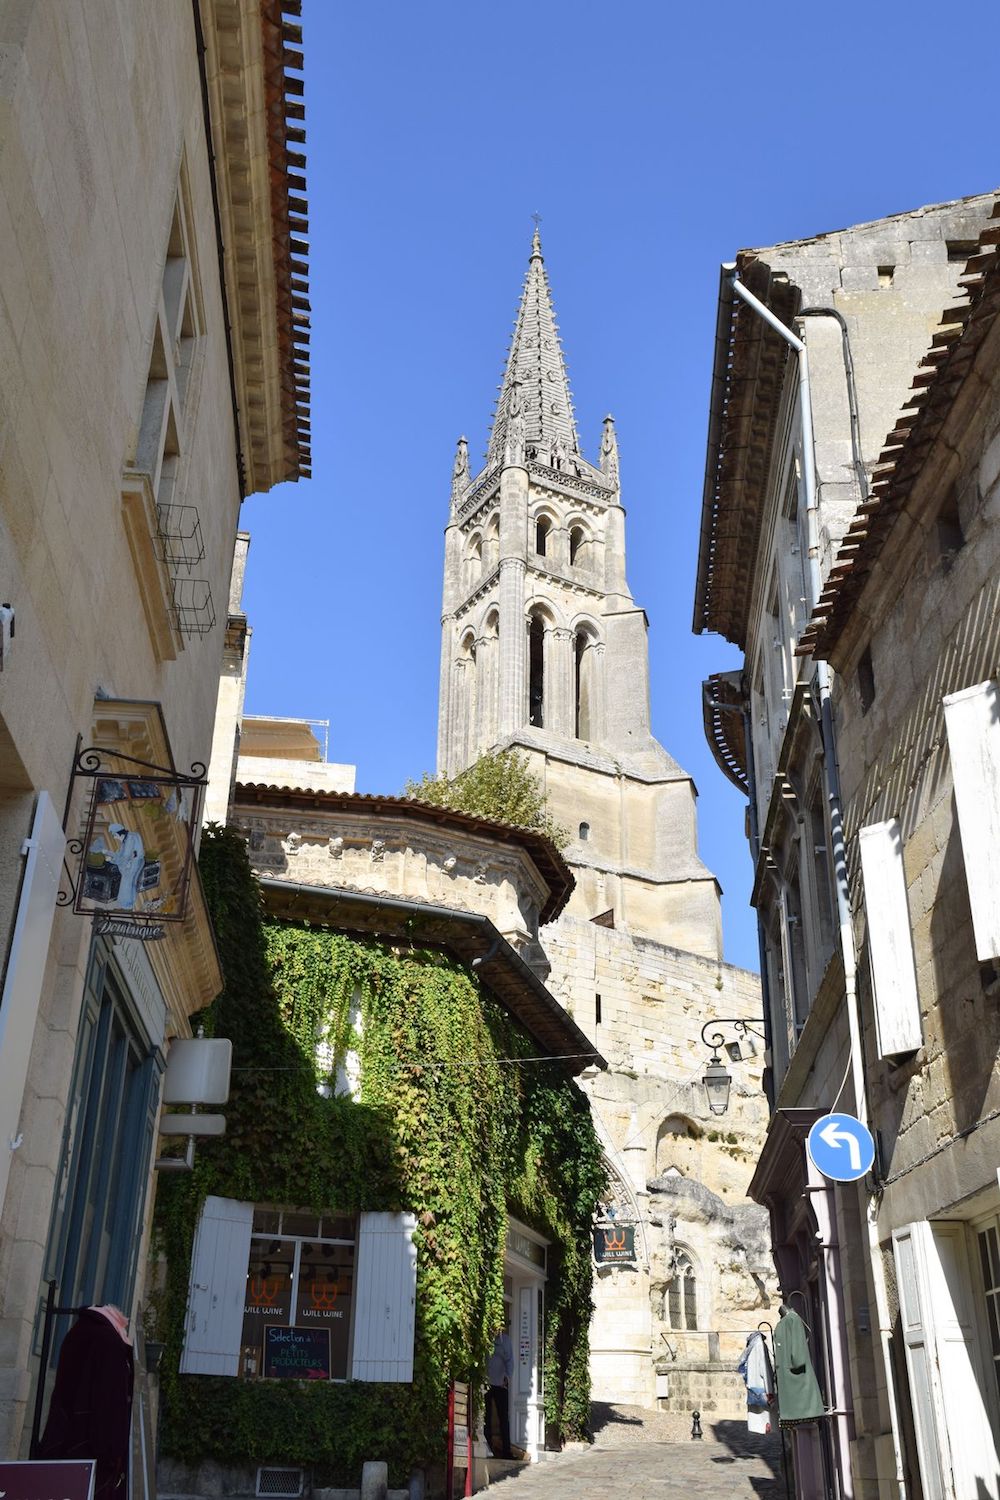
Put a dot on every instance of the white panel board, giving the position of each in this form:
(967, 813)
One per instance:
(217, 1291)
(972, 718)
(385, 1298)
(198, 1071)
(890, 940)
(29, 951)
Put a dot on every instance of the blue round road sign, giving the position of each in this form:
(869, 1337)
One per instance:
(841, 1147)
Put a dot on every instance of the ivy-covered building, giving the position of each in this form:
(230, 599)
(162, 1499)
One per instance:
(407, 1158)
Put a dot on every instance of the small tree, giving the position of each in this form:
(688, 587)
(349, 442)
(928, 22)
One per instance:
(498, 785)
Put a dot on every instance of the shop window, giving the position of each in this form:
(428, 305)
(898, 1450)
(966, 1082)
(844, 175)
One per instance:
(300, 1277)
(107, 1147)
(285, 1294)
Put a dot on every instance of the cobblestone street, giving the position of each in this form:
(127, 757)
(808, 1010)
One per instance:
(636, 1454)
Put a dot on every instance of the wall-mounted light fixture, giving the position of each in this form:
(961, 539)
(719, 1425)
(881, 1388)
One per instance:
(717, 1078)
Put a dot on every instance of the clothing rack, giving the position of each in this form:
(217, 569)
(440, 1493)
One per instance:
(51, 1312)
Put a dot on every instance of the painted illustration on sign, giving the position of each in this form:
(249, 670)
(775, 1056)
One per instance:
(137, 845)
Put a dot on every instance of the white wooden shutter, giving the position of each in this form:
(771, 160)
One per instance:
(937, 1309)
(217, 1291)
(890, 941)
(29, 950)
(385, 1298)
(972, 719)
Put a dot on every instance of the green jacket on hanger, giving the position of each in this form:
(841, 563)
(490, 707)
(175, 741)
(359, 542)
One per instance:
(799, 1398)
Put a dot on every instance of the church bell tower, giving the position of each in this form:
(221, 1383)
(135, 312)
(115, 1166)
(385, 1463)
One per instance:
(545, 650)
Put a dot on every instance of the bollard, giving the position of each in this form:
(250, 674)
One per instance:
(374, 1481)
(696, 1424)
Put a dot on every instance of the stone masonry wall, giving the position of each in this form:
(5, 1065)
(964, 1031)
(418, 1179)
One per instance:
(687, 1169)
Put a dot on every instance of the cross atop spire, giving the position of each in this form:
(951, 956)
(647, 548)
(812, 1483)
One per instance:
(535, 378)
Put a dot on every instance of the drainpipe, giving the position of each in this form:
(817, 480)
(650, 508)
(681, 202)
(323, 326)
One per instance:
(832, 776)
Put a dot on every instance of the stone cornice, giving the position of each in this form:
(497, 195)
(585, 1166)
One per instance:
(252, 98)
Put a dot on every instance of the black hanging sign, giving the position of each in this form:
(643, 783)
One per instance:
(614, 1244)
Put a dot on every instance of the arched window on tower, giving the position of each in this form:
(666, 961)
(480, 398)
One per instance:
(473, 562)
(468, 691)
(536, 671)
(680, 1302)
(542, 528)
(577, 538)
(585, 664)
(491, 543)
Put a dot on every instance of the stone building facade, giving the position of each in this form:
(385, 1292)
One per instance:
(849, 779)
(545, 650)
(151, 306)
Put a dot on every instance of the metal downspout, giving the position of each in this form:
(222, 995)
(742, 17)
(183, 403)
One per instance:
(839, 850)
(770, 1090)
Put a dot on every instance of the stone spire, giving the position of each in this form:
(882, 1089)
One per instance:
(535, 378)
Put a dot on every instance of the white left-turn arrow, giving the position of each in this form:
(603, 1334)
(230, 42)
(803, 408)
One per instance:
(833, 1136)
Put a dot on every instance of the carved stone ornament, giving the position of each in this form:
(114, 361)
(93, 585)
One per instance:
(609, 452)
(336, 847)
(378, 851)
(480, 875)
(514, 449)
(460, 470)
(449, 864)
(292, 844)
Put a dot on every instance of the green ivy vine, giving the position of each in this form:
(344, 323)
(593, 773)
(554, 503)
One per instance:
(449, 1125)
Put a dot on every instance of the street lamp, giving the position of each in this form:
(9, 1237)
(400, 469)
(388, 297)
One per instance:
(717, 1079)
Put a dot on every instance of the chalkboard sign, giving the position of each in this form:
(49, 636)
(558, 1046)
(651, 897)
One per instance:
(615, 1243)
(296, 1353)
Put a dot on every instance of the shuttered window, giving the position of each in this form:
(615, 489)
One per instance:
(26, 968)
(281, 1273)
(890, 941)
(972, 718)
(944, 1362)
(217, 1292)
(386, 1298)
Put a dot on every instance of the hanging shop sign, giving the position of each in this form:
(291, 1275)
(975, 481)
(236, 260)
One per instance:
(135, 856)
(614, 1244)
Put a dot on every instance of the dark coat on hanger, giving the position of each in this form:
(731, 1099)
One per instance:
(91, 1408)
(799, 1398)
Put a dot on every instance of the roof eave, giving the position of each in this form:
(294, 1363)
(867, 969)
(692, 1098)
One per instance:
(713, 453)
(471, 937)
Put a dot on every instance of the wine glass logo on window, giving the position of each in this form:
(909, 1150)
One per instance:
(324, 1292)
(265, 1289)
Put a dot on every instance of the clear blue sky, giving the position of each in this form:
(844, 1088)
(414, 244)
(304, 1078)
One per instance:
(655, 140)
